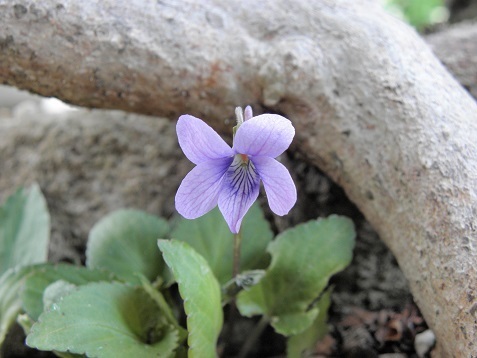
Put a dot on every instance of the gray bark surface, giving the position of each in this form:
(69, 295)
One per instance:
(372, 107)
(456, 47)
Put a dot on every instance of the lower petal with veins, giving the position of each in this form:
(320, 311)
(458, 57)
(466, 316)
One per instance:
(240, 188)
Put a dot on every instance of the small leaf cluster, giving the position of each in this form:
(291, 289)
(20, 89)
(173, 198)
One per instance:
(122, 303)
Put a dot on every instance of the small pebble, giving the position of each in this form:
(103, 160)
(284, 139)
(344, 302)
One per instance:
(424, 342)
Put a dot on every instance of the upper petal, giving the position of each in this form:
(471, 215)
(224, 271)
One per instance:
(279, 185)
(199, 142)
(239, 190)
(199, 191)
(265, 135)
(247, 113)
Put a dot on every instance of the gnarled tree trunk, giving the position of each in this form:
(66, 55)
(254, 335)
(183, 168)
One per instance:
(371, 104)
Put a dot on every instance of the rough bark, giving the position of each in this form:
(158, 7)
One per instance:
(456, 47)
(372, 106)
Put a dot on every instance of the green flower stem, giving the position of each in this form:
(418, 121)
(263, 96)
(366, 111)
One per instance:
(254, 336)
(233, 313)
(236, 263)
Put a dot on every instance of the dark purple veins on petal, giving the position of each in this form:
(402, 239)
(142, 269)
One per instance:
(243, 176)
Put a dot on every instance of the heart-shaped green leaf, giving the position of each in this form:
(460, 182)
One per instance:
(43, 276)
(201, 294)
(210, 236)
(24, 229)
(298, 345)
(125, 243)
(105, 320)
(26, 322)
(303, 260)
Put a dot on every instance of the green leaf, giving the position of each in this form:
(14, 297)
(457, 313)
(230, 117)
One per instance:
(210, 236)
(26, 323)
(293, 323)
(303, 260)
(11, 283)
(24, 229)
(420, 13)
(201, 294)
(42, 276)
(105, 320)
(23, 287)
(165, 308)
(55, 291)
(68, 355)
(125, 243)
(301, 344)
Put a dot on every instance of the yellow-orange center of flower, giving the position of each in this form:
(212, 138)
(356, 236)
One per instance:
(244, 158)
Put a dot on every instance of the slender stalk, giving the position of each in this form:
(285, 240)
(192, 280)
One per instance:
(233, 313)
(237, 244)
(253, 337)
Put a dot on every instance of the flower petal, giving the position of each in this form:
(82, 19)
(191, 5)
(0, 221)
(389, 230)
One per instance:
(199, 190)
(247, 113)
(278, 183)
(240, 189)
(265, 135)
(199, 142)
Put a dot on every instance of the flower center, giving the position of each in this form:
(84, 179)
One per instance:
(242, 176)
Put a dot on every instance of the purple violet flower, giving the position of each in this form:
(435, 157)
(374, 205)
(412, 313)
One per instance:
(230, 177)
